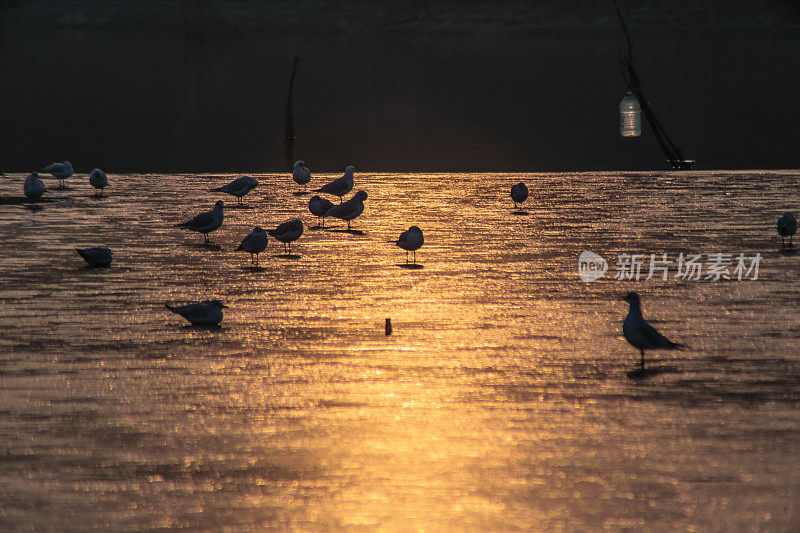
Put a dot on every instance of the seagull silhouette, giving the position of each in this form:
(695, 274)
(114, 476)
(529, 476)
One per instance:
(61, 171)
(642, 335)
(206, 313)
(340, 186)
(255, 243)
(301, 174)
(350, 209)
(411, 240)
(318, 207)
(519, 193)
(34, 187)
(787, 227)
(238, 187)
(288, 232)
(206, 222)
(98, 180)
(97, 256)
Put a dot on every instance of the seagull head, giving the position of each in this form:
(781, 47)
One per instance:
(220, 204)
(361, 195)
(299, 164)
(350, 169)
(218, 304)
(632, 298)
(258, 229)
(415, 228)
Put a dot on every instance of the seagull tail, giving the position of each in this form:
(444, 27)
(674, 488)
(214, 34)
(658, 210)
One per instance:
(171, 308)
(681, 346)
(218, 189)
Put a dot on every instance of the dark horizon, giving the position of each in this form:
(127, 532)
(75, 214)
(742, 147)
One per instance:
(192, 87)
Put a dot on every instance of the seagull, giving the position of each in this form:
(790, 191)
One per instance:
(288, 232)
(98, 256)
(98, 180)
(318, 207)
(350, 209)
(206, 313)
(787, 226)
(206, 222)
(519, 193)
(642, 335)
(60, 170)
(340, 186)
(255, 243)
(34, 187)
(411, 240)
(301, 175)
(238, 187)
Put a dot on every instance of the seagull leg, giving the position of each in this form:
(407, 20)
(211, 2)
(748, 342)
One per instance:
(256, 259)
(415, 258)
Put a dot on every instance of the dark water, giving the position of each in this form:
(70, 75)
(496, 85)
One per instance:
(501, 401)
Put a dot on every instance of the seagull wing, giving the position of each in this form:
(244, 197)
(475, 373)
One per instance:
(653, 337)
(200, 221)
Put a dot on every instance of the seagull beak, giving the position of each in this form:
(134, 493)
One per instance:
(225, 306)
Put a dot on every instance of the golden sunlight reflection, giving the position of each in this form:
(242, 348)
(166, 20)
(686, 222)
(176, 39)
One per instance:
(499, 402)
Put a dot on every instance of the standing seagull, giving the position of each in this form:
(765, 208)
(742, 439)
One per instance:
(206, 222)
(411, 240)
(288, 232)
(340, 186)
(255, 243)
(238, 187)
(318, 207)
(60, 170)
(642, 335)
(301, 175)
(34, 187)
(519, 193)
(206, 313)
(98, 256)
(787, 226)
(350, 209)
(98, 180)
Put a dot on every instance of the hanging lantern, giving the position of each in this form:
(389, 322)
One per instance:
(630, 116)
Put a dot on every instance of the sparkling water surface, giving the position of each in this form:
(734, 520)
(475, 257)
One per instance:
(500, 402)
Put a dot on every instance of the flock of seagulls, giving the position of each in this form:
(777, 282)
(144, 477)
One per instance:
(34, 186)
(637, 332)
